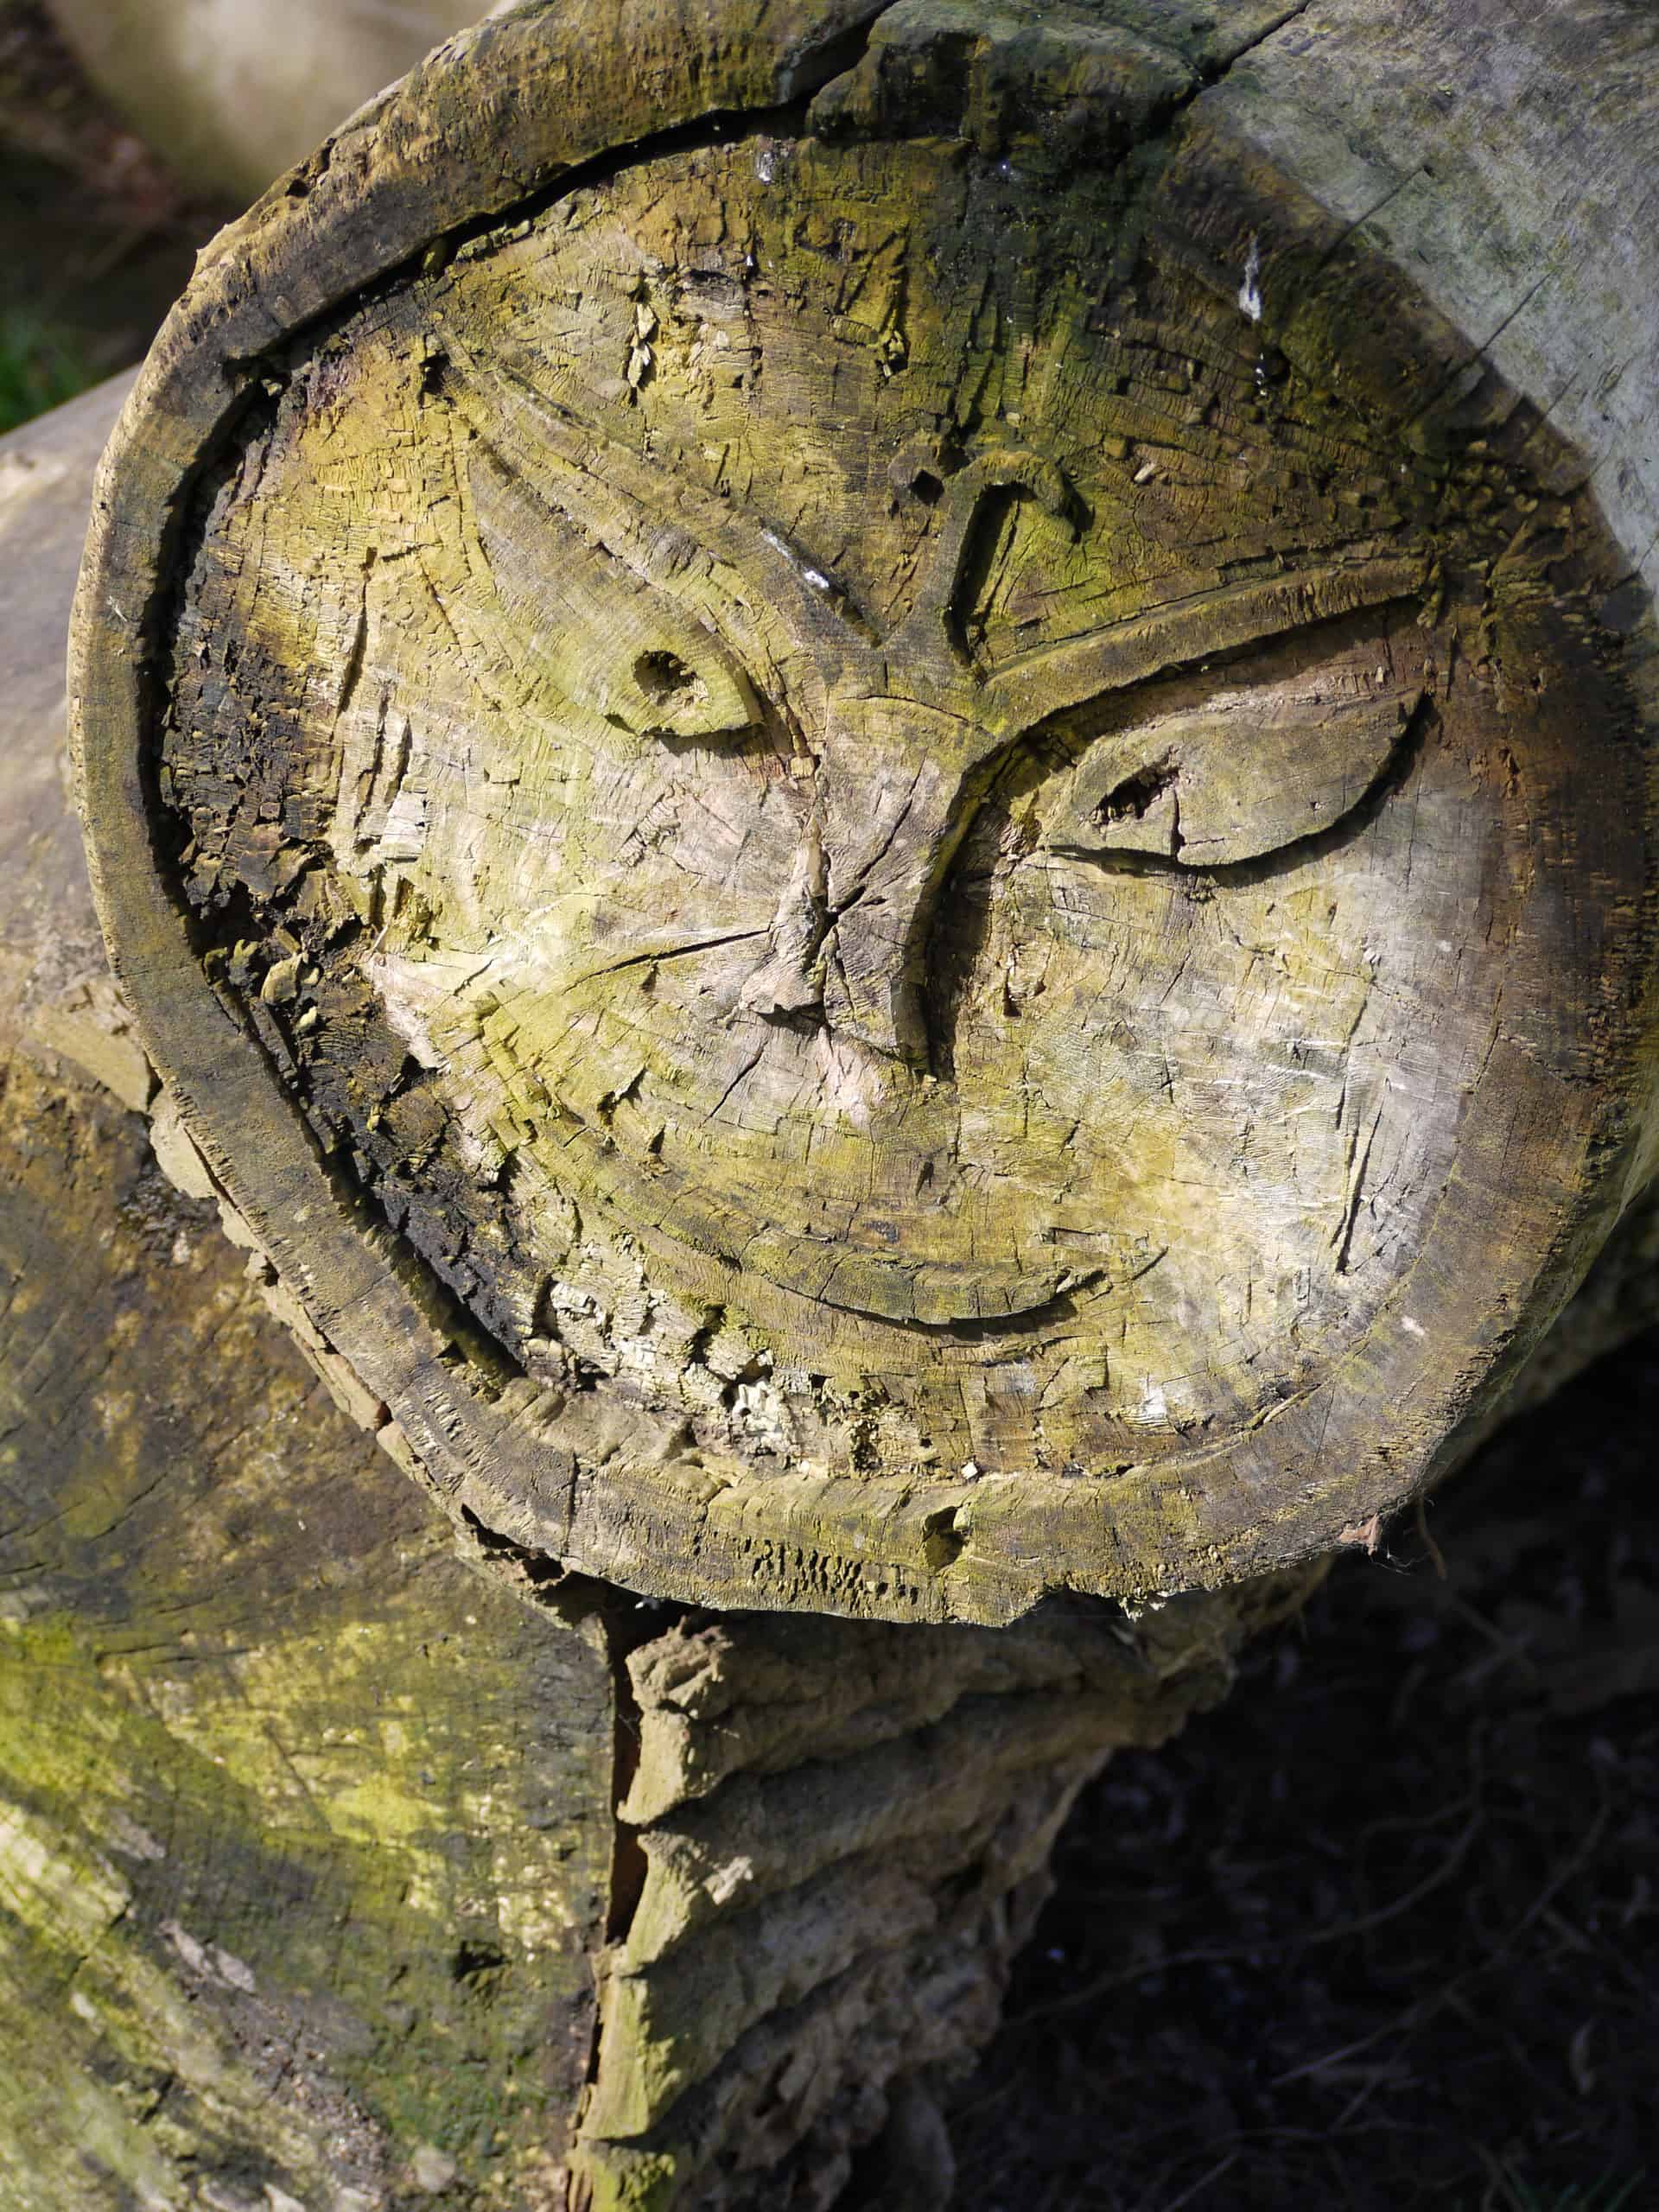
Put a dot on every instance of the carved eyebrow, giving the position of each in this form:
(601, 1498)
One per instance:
(529, 424)
(1029, 688)
(1013, 697)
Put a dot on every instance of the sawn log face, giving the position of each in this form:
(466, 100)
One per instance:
(898, 854)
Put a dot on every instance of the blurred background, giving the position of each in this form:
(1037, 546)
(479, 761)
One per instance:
(1382, 1931)
(131, 130)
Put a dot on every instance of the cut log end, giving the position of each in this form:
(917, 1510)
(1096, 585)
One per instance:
(1130, 560)
(879, 879)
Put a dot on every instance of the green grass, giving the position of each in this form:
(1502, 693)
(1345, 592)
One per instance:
(41, 365)
(1610, 2194)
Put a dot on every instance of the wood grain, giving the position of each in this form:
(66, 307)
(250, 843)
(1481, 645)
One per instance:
(354, 1861)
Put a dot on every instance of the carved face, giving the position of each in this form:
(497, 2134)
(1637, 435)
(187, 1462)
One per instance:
(894, 842)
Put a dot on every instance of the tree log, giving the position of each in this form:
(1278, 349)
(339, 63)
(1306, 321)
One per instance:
(351, 1860)
(901, 848)
(880, 791)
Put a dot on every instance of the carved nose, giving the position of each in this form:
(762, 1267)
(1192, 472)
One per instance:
(897, 791)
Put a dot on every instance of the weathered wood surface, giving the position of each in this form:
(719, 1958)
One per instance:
(337, 1871)
(231, 93)
(902, 849)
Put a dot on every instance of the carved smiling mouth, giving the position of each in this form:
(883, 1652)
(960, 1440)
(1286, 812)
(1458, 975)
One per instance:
(950, 1263)
(968, 1298)
(953, 1256)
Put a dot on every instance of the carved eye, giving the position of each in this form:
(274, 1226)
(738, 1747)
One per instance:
(589, 627)
(1214, 766)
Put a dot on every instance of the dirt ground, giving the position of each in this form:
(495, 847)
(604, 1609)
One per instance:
(1382, 1931)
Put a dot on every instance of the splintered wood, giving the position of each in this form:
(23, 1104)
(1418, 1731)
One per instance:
(969, 915)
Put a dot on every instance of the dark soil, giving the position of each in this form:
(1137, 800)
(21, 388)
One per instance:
(1382, 1930)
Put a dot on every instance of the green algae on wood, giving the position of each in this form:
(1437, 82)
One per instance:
(313, 1822)
(305, 1826)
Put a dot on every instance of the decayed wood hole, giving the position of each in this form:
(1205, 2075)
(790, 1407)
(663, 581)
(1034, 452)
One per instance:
(868, 836)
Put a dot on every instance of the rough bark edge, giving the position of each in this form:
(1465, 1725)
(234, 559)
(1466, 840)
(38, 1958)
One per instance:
(845, 1834)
